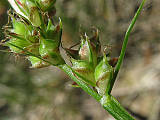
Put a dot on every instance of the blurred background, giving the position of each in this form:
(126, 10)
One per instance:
(46, 94)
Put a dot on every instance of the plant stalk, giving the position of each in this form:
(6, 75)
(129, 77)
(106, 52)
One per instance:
(124, 46)
(110, 104)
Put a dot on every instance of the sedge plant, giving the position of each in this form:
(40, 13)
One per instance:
(31, 31)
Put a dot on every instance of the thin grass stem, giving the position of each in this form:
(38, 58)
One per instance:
(124, 46)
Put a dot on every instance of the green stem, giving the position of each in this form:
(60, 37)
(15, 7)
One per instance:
(110, 104)
(122, 54)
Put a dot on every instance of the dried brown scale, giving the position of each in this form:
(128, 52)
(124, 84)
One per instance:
(22, 52)
(71, 51)
(35, 32)
(57, 28)
(74, 45)
(74, 83)
(10, 33)
(102, 78)
(51, 13)
(113, 61)
(83, 53)
(30, 50)
(83, 70)
(45, 57)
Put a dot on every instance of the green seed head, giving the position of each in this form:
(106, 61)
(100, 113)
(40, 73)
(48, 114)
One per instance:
(49, 50)
(87, 51)
(85, 61)
(26, 38)
(103, 73)
(49, 46)
(54, 32)
(19, 27)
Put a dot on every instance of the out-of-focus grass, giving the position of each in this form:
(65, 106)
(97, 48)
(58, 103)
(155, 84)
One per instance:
(45, 94)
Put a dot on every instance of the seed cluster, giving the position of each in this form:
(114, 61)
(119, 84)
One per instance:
(35, 32)
(32, 31)
(90, 65)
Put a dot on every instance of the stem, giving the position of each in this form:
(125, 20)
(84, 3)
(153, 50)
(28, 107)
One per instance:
(122, 54)
(110, 104)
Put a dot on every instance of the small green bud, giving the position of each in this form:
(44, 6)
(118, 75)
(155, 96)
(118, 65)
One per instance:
(49, 50)
(54, 32)
(19, 27)
(49, 46)
(103, 73)
(84, 69)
